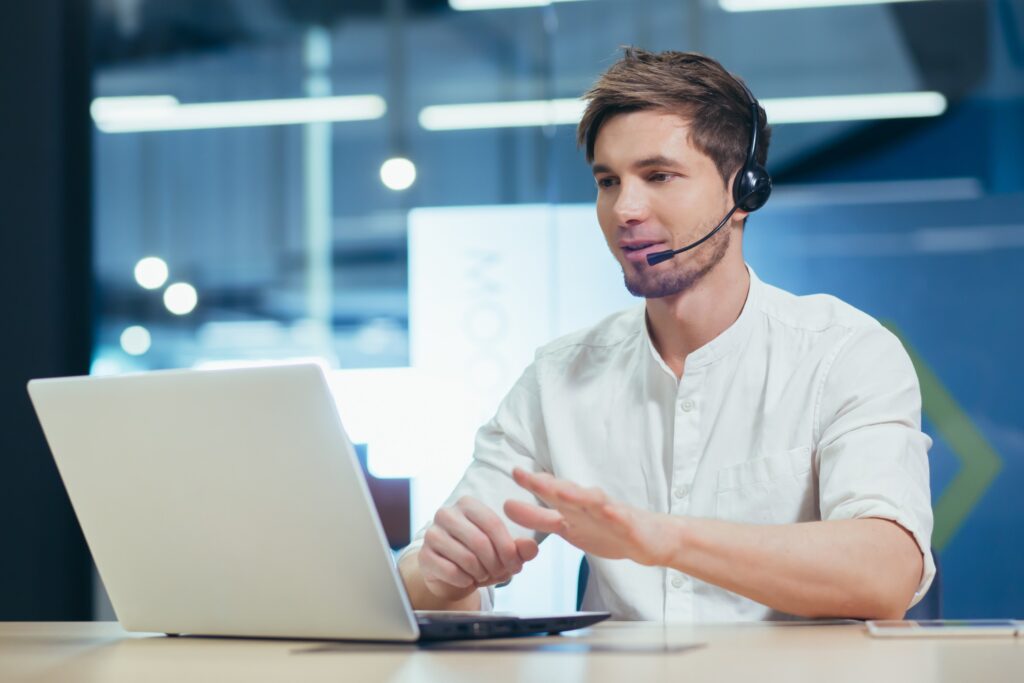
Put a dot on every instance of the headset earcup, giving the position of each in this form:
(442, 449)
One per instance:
(752, 188)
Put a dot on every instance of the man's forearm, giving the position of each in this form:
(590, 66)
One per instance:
(861, 568)
(867, 568)
(421, 597)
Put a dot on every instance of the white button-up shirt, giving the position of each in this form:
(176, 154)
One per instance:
(804, 409)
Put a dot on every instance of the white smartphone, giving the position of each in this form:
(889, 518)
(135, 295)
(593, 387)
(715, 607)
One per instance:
(940, 628)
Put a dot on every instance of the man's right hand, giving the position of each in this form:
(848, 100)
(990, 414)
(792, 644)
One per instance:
(468, 547)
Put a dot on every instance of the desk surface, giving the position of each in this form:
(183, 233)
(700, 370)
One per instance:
(612, 651)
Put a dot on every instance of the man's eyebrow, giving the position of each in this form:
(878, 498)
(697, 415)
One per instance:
(657, 160)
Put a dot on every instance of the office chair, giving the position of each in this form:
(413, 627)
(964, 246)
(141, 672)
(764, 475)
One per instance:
(581, 582)
(930, 606)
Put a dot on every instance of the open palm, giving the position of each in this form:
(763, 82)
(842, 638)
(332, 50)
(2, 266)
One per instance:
(587, 519)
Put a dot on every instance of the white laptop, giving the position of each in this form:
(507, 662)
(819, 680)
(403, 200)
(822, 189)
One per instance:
(231, 502)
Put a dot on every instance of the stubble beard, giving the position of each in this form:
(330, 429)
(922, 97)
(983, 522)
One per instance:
(643, 281)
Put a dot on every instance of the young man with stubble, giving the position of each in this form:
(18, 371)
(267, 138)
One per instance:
(726, 452)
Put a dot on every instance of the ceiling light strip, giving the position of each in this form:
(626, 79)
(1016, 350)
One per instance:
(780, 110)
(473, 5)
(854, 107)
(768, 5)
(161, 113)
(502, 114)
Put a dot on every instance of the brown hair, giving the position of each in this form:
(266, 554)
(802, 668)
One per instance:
(685, 83)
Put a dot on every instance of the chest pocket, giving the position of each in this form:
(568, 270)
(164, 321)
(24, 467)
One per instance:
(777, 489)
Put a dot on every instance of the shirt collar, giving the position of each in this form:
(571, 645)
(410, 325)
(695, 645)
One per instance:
(725, 342)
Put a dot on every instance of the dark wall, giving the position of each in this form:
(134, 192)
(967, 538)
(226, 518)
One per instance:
(44, 294)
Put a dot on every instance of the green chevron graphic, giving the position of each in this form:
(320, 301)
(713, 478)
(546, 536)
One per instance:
(979, 462)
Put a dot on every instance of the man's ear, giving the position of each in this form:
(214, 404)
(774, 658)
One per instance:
(739, 219)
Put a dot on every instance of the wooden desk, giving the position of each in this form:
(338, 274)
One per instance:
(761, 653)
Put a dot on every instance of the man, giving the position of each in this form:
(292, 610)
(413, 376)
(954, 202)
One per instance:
(727, 452)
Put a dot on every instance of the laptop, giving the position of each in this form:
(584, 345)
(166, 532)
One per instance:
(231, 503)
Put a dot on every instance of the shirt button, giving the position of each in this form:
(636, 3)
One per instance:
(680, 492)
(687, 405)
(677, 582)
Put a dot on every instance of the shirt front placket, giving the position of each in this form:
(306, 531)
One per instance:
(685, 455)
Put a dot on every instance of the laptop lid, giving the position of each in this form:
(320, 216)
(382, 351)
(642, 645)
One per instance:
(224, 502)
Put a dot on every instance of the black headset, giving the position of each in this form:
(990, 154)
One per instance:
(753, 185)
(750, 189)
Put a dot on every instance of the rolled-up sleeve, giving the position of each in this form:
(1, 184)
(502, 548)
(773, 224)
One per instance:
(514, 437)
(872, 456)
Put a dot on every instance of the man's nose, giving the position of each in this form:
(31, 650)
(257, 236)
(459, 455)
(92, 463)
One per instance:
(631, 204)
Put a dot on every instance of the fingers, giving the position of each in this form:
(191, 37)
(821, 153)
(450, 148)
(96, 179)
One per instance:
(469, 542)
(556, 492)
(494, 529)
(527, 549)
(534, 517)
(469, 535)
(580, 496)
(439, 541)
(435, 567)
(540, 485)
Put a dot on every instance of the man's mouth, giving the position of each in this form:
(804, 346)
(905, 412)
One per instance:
(637, 251)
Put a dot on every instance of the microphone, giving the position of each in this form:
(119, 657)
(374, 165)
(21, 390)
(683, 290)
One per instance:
(657, 257)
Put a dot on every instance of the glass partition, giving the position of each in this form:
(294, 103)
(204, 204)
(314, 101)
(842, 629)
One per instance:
(277, 179)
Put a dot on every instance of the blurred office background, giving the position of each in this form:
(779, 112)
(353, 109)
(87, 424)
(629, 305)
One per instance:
(203, 183)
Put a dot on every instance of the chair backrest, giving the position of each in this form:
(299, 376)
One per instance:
(930, 606)
(581, 582)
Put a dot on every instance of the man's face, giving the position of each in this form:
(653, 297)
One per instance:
(656, 191)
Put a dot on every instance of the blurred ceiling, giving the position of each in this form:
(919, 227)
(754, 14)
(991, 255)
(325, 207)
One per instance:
(211, 199)
(132, 30)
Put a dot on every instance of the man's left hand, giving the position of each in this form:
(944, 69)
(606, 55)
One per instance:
(588, 519)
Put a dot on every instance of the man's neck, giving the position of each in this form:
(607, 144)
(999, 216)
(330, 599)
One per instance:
(683, 323)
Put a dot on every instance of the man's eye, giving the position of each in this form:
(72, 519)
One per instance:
(661, 177)
(605, 182)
